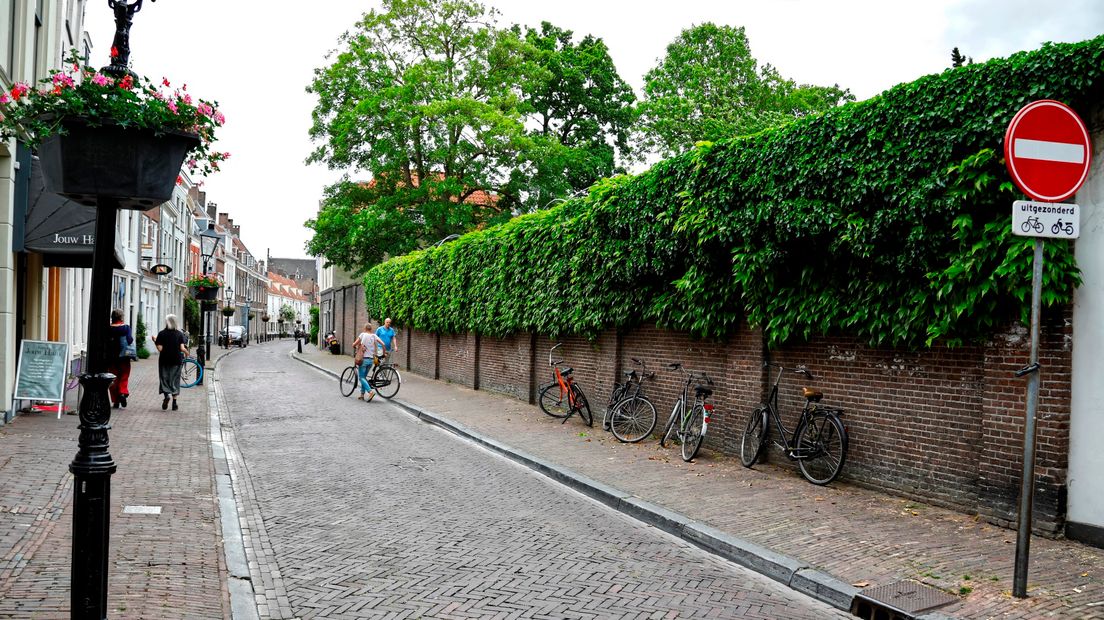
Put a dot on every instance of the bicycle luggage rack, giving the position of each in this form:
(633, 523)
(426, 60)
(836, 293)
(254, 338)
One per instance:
(901, 600)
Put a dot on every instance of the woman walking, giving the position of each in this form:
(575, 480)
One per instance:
(121, 341)
(172, 346)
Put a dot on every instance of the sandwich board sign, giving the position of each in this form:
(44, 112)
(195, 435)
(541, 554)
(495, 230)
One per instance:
(42, 370)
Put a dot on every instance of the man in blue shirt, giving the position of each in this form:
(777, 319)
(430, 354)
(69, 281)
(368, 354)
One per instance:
(387, 334)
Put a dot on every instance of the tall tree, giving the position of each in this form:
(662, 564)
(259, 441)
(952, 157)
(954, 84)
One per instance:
(458, 123)
(958, 59)
(709, 87)
(581, 113)
(421, 97)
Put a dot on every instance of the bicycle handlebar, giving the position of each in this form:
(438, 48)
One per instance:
(801, 370)
(550, 362)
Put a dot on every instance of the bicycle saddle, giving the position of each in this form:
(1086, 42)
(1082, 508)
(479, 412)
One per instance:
(567, 371)
(630, 374)
(704, 392)
(811, 394)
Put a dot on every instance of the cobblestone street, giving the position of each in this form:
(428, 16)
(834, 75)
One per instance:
(355, 509)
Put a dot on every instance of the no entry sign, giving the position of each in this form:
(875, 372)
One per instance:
(1047, 150)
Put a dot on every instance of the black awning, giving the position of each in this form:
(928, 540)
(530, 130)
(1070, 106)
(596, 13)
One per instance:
(63, 231)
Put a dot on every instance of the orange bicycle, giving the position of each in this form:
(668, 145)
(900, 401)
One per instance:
(563, 398)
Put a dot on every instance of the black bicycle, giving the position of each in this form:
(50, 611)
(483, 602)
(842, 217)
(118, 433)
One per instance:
(630, 416)
(385, 379)
(818, 444)
(689, 423)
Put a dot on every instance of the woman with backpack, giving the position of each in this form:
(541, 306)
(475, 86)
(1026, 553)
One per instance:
(122, 342)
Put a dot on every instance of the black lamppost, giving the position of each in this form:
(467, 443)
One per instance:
(229, 304)
(109, 168)
(208, 243)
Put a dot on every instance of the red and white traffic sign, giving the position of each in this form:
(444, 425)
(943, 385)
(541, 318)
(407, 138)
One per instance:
(1047, 150)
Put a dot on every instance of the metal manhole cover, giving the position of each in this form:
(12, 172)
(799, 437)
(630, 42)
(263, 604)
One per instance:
(416, 462)
(907, 596)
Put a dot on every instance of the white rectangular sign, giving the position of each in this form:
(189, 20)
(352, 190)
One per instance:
(1046, 219)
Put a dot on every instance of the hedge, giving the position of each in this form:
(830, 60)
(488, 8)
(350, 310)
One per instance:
(886, 219)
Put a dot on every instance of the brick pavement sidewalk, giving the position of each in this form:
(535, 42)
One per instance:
(857, 535)
(161, 566)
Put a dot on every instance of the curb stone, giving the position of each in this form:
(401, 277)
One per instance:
(782, 568)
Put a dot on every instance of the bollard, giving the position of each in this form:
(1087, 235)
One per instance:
(299, 344)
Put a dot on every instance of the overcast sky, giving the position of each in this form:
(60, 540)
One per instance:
(255, 57)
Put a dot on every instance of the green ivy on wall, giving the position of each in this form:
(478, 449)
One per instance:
(887, 219)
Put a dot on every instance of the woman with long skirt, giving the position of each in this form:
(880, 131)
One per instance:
(172, 347)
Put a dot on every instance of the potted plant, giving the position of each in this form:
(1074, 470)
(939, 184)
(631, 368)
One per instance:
(228, 311)
(116, 137)
(204, 287)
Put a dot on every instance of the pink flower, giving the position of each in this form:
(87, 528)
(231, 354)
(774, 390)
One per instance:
(172, 106)
(205, 109)
(187, 99)
(219, 118)
(4, 98)
(101, 80)
(192, 163)
(63, 80)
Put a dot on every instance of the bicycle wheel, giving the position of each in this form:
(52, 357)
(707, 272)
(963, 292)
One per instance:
(615, 397)
(349, 381)
(553, 401)
(190, 373)
(755, 436)
(633, 419)
(694, 433)
(822, 447)
(582, 406)
(669, 430)
(386, 381)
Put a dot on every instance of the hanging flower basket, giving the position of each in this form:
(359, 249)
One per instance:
(265, 318)
(228, 311)
(136, 167)
(205, 293)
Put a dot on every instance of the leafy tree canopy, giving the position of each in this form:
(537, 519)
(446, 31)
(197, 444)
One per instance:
(709, 87)
(581, 109)
(458, 123)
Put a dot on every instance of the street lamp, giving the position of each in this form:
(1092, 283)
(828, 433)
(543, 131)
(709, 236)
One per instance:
(208, 243)
(229, 304)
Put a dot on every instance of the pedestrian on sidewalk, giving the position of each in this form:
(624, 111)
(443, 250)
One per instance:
(367, 343)
(172, 347)
(386, 334)
(122, 352)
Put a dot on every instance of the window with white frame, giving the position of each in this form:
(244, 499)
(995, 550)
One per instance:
(7, 39)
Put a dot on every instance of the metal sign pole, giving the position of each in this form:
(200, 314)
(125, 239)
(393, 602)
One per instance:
(1027, 484)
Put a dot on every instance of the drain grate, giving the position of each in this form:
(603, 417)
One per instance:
(898, 601)
(421, 463)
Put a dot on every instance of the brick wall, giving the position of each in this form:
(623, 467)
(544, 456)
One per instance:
(942, 425)
(422, 347)
(506, 365)
(457, 358)
(1003, 407)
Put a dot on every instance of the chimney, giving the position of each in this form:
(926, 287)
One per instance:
(212, 210)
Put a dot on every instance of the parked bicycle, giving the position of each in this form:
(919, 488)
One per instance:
(385, 379)
(630, 416)
(689, 423)
(76, 367)
(563, 398)
(191, 372)
(818, 443)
